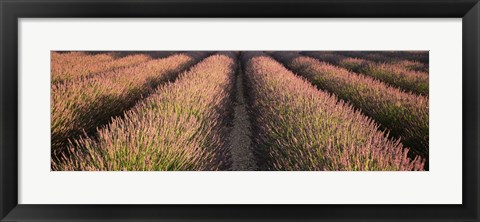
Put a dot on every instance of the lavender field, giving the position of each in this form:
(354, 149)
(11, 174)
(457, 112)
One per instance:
(240, 111)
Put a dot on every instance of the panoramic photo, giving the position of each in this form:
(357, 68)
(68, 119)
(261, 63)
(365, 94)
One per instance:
(239, 110)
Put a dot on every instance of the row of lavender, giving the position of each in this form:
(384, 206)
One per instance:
(180, 126)
(397, 73)
(300, 127)
(68, 66)
(80, 106)
(414, 60)
(403, 114)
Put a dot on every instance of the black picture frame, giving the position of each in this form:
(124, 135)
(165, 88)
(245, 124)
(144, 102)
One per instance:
(11, 11)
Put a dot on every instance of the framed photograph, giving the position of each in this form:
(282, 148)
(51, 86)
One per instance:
(239, 110)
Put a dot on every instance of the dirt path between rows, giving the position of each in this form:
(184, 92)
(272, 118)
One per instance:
(240, 135)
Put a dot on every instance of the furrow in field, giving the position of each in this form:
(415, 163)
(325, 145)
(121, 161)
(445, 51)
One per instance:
(179, 127)
(87, 66)
(79, 107)
(405, 115)
(392, 74)
(302, 128)
(240, 135)
(152, 54)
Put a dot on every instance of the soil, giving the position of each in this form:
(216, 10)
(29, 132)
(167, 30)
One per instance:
(240, 134)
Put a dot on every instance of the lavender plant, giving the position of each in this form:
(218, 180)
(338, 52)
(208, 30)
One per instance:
(404, 114)
(303, 128)
(393, 74)
(179, 127)
(75, 66)
(81, 106)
